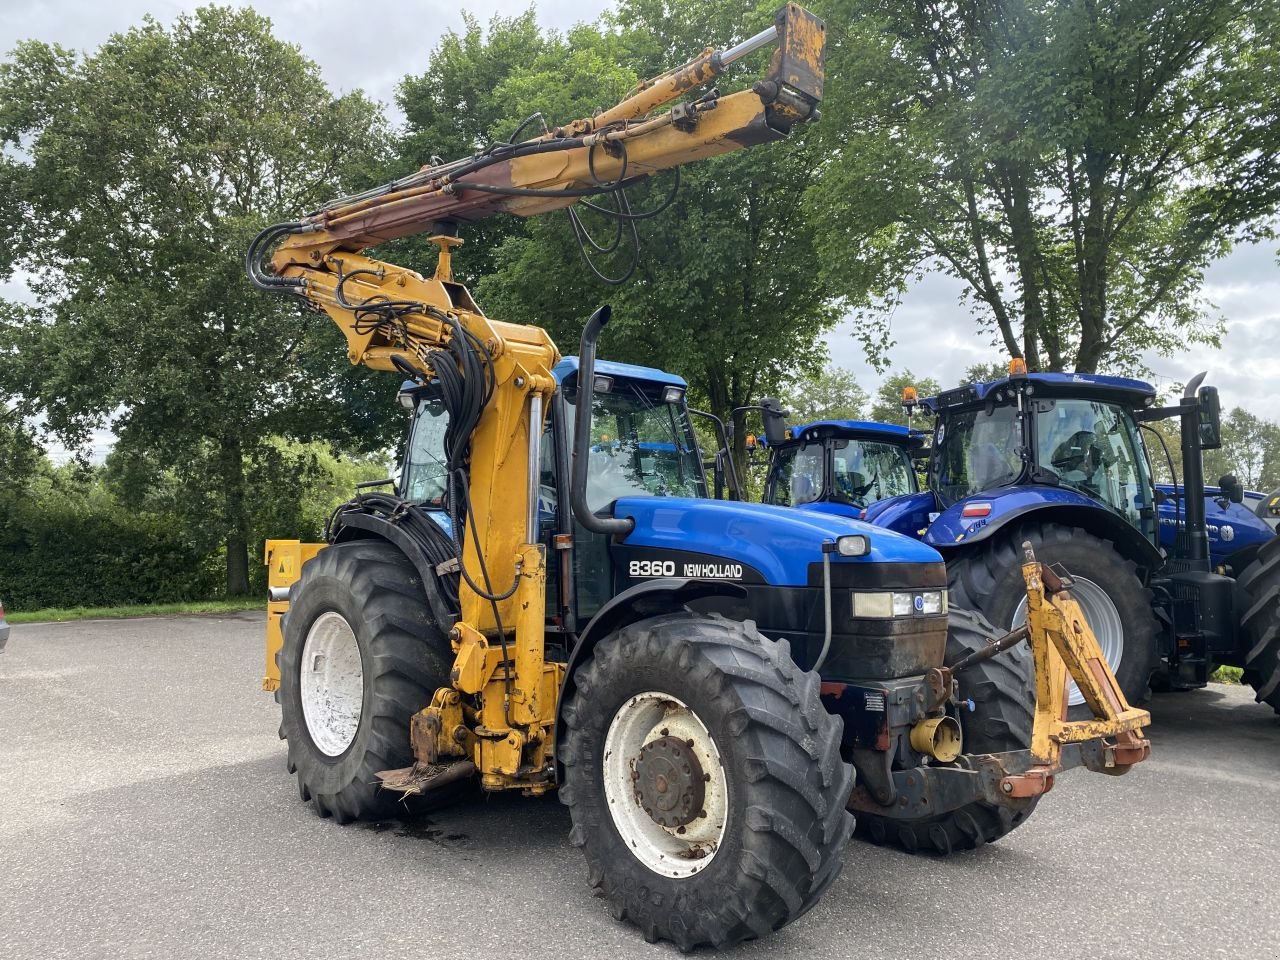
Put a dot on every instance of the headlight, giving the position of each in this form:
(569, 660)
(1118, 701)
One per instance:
(886, 605)
(872, 604)
(935, 601)
(854, 545)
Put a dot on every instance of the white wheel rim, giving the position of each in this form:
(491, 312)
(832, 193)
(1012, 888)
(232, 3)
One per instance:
(668, 851)
(1103, 619)
(331, 684)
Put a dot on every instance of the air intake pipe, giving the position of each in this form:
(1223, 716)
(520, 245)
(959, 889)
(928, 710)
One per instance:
(582, 433)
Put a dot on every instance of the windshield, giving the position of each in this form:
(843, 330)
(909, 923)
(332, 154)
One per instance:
(796, 476)
(424, 476)
(640, 447)
(975, 451)
(1092, 447)
(864, 471)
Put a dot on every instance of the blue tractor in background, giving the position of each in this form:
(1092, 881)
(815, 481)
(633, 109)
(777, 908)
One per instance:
(1174, 578)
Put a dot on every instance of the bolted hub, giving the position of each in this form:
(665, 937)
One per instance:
(669, 782)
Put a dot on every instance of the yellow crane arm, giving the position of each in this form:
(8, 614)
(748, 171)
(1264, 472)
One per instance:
(592, 155)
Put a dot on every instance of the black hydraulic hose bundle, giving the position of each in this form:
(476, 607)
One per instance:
(434, 543)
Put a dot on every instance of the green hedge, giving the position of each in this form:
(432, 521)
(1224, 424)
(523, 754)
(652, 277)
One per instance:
(68, 552)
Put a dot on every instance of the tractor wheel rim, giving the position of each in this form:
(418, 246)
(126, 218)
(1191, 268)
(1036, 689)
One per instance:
(644, 728)
(1103, 619)
(331, 684)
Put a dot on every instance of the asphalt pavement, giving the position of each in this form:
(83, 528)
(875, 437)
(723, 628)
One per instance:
(145, 812)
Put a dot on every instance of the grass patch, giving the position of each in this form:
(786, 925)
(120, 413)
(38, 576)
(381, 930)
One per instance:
(1232, 675)
(134, 610)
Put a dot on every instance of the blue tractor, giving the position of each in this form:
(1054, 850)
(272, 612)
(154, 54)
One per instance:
(1174, 578)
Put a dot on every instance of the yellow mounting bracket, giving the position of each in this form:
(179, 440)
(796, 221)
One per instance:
(1063, 646)
(444, 262)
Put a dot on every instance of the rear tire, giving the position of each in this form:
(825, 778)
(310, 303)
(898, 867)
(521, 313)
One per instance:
(1003, 693)
(989, 579)
(774, 774)
(369, 589)
(1261, 624)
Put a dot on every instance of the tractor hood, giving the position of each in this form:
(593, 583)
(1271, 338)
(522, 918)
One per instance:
(779, 543)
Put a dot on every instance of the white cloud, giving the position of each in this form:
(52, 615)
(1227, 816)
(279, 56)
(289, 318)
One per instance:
(369, 47)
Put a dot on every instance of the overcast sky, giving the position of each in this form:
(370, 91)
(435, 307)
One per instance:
(371, 46)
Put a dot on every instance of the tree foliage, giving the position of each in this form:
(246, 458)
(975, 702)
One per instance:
(137, 176)
(1250, 451)
(726, 292)
(1075, 163)
(833, 393)
(888, 399)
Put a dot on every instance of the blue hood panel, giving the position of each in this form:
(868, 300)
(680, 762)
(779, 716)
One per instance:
(1231, 528)
(833, 508)
(779, 542)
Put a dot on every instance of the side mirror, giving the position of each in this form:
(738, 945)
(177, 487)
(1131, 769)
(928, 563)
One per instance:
(775, 421)
(1210, 412)
(1232, 488)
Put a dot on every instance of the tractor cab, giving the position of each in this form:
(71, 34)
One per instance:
(1074, 437)
(842, 466)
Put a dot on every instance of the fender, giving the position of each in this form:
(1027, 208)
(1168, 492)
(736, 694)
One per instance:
(372, 526)
(952, 531)
(648, 599)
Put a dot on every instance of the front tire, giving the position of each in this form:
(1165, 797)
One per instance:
(361, 655)
(1261, 624)
(1003, 693)
(725, 818)
(1116, 604)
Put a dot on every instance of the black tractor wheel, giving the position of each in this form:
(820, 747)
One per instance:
(361, 655)
(1116, 604)
(1260, 622)
(1002, 693)
(704, 780)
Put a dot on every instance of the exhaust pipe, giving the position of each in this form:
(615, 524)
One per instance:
(582, 432)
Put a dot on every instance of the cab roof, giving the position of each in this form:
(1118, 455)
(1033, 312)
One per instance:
(568, 366)
(858, 430)
(1087, 386)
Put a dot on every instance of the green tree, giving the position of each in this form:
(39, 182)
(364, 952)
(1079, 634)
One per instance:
(21, 458)
(888, 400)
(1250, 451)
(137, 175)
(833, 393)
(1076, 164)
(985, 372)
(725, 292)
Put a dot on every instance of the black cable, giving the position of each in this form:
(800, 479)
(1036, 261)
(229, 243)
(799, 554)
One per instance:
(254, 256)
(644, 214)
